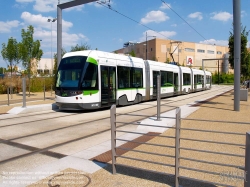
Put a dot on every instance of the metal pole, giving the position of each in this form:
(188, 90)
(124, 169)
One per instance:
(146, 46)
(51, 50)
(59, 35)
(177, 145)
(51, 90)
(8, 92)
(11, 92)
(247, 161)
(113, 136)
(44, 90)
(237, 51)
(24, 92)
(29, 86)
(218, 73)
(158, 97)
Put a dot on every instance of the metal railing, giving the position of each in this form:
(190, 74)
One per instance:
(178, 148)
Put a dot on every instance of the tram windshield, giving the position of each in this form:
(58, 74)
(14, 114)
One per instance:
(75, 73)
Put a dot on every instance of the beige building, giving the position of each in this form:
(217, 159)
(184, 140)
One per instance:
(44, 66)
(183, 53)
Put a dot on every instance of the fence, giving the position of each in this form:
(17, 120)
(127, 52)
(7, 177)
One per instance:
(26, 88)
(177, 156)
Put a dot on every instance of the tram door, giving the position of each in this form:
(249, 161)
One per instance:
(176, 84)
(155, 74)
(108, 85)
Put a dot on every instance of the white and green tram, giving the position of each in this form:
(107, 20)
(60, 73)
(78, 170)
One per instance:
(94, 79)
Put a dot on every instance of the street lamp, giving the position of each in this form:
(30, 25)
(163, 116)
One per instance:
(147, 45)
(51, 20)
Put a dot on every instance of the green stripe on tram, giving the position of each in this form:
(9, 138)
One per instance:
(92, 60)
(88, 92)
(131, 89)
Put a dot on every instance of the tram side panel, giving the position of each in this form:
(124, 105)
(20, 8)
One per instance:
(131, 81)
(186, 80)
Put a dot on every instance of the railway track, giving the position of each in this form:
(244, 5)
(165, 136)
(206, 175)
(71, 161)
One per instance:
(166, 104)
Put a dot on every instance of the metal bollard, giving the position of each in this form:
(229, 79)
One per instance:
(158, 97)
(8, 95)
(24, 92)
(11, 92)
(247, 161)
(177, 145)
(44, 90)
(113, 136)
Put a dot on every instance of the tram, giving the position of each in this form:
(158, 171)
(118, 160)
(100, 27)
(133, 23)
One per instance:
(94, 79)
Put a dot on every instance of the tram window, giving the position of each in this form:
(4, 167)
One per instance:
(123, 77)
(137, 78)
(164, 78)
(170, 80)
(200, 79)
(186, 79)
(89, 76)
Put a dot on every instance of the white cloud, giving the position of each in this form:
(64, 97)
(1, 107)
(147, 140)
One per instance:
(215, 42)
(40, 21)
(196, 15)
(47, 32)
(45, 5)
(162, 34)
(154, 16)
(165, 6)
(25, 1)
(174, 25)
(222, 16)
(5, 27)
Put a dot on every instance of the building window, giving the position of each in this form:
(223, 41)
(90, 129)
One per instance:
(219, 52)
(39, 71)
(210, 52)
(200, 51)
(189, 49)
(151, 49)
(46, 71)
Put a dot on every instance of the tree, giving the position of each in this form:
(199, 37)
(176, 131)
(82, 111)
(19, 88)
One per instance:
(2, 70)
(81, 47)
(11, 53)
(29, 49)
(132, 53)
(245, 63)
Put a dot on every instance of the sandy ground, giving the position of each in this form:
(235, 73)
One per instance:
(220, 108)
(16, 99)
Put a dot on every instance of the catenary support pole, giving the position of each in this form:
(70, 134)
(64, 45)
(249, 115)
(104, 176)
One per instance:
(237, 51)
(59, 35)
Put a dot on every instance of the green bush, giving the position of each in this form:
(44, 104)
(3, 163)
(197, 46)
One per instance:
(223, 78)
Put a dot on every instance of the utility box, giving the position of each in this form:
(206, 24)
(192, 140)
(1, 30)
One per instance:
(243, 94)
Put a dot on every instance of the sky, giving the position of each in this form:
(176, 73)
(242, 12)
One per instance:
(107, 24)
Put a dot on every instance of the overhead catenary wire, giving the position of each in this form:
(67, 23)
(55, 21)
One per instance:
(109, 7)
(185, 21)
